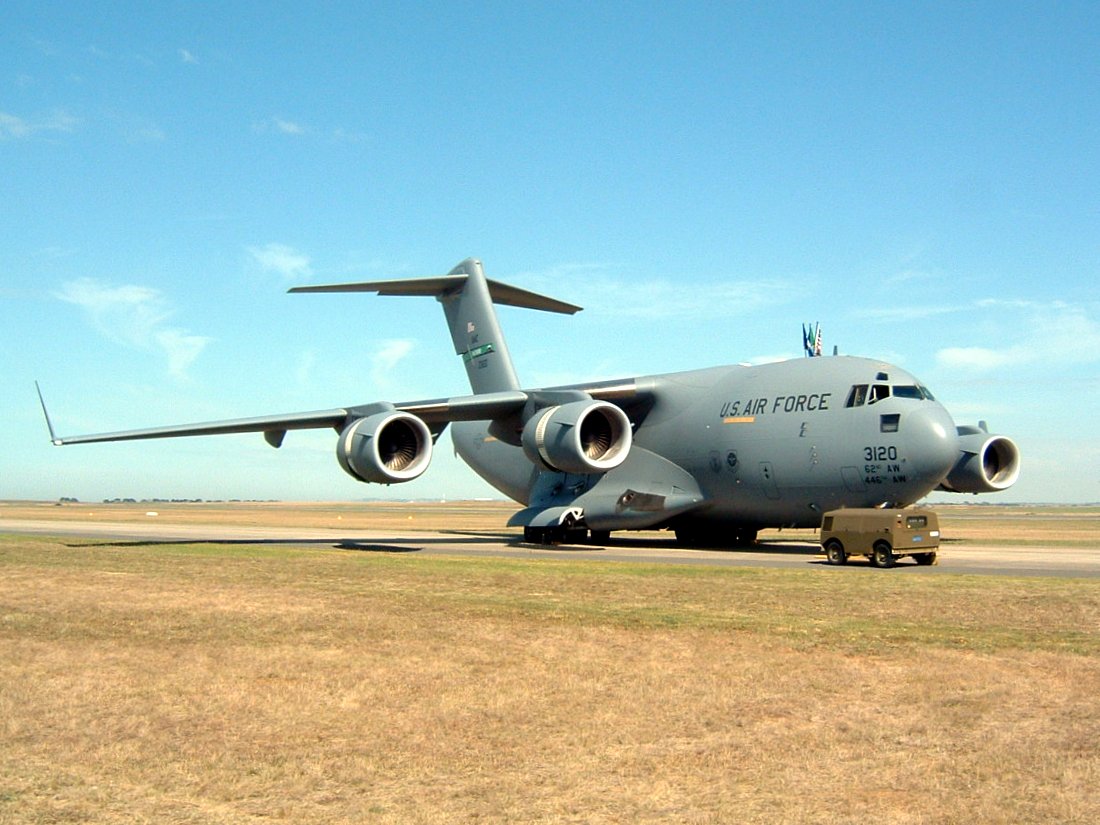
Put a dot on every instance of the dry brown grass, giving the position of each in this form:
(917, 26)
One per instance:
(380, 515)
(212, 683)
(1063, 526)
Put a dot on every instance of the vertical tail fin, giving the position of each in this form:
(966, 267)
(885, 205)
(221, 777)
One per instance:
(468, 297)
(476, 332)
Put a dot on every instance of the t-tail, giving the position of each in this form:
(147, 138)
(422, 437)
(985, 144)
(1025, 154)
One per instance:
(468, 297)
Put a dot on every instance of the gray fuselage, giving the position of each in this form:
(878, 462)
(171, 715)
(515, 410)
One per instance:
(768, 446)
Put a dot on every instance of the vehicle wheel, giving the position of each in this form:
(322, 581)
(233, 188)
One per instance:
(599, 537)
(534, 535)
(834, 552)
(925, 558)
(883, 555)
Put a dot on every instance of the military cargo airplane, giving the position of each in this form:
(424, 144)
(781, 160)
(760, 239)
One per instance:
(713, 454)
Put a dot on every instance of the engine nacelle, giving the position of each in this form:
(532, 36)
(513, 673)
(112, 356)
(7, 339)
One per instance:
(988, 463)
(578, 437)
(386, 448)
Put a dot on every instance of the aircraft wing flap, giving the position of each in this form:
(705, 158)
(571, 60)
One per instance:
(274, 427)
(265, 424)
(481, 407)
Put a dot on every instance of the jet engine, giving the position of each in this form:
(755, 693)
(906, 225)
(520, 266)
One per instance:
(386, 448)
(578, 437)
(988, 463)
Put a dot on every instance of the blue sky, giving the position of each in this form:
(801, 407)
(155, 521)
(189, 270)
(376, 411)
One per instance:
(923, 179)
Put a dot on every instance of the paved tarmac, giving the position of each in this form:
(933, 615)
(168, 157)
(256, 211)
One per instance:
(962, 557)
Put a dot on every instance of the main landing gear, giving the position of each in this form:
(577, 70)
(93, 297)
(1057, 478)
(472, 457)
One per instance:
(568, 532)
(721, 537)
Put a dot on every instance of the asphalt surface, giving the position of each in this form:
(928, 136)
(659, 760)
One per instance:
(962, 557)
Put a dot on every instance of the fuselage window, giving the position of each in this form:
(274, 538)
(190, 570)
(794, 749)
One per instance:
(857, 397)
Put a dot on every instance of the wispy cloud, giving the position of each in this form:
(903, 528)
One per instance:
(665, 299)
(283, 260)
(280, 125)
(289, 127)
(909, 312)
(652, 298)
(135, 316)
(304, 366)
(187, 56)
(386, 358)
(18, 128)
(1032, 334)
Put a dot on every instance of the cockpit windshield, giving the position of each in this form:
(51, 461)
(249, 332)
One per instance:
(861, 394)
(915, 391)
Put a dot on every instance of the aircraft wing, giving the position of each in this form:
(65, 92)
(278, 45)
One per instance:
(437, 413)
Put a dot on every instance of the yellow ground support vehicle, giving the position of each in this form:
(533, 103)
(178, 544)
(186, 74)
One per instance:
(882, 535)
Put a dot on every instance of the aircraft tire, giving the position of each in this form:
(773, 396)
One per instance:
(883, 555)
(744, 537)
(834, 552)
(687, 537)
(599, 537)
(715, 538)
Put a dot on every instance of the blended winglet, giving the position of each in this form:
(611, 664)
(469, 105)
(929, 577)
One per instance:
(57, 442)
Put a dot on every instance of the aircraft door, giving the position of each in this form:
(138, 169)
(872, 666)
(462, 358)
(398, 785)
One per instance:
(767, 480)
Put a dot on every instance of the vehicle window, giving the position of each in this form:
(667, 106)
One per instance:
(828, 523)
(890, 423)
(927, 393)
(857, 397)
(914, 522)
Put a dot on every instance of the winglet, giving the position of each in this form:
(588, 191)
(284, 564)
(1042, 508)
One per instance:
(57, 442)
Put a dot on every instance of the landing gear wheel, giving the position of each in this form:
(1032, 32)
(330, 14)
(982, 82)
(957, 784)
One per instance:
(743, 537)
(535, 535)
(883, 555)
(687, 537)
(599, 537)
(834, 552)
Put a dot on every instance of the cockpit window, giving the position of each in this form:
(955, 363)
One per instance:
(861, 394)
(879, 392)
(908, 391)
(917, 392)
(857, 396)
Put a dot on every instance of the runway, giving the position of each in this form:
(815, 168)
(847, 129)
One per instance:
(955, 558)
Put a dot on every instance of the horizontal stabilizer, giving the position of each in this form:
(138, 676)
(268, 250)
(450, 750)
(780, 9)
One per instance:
(501, 293)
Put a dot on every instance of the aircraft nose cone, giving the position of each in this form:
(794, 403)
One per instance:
(933, 439)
